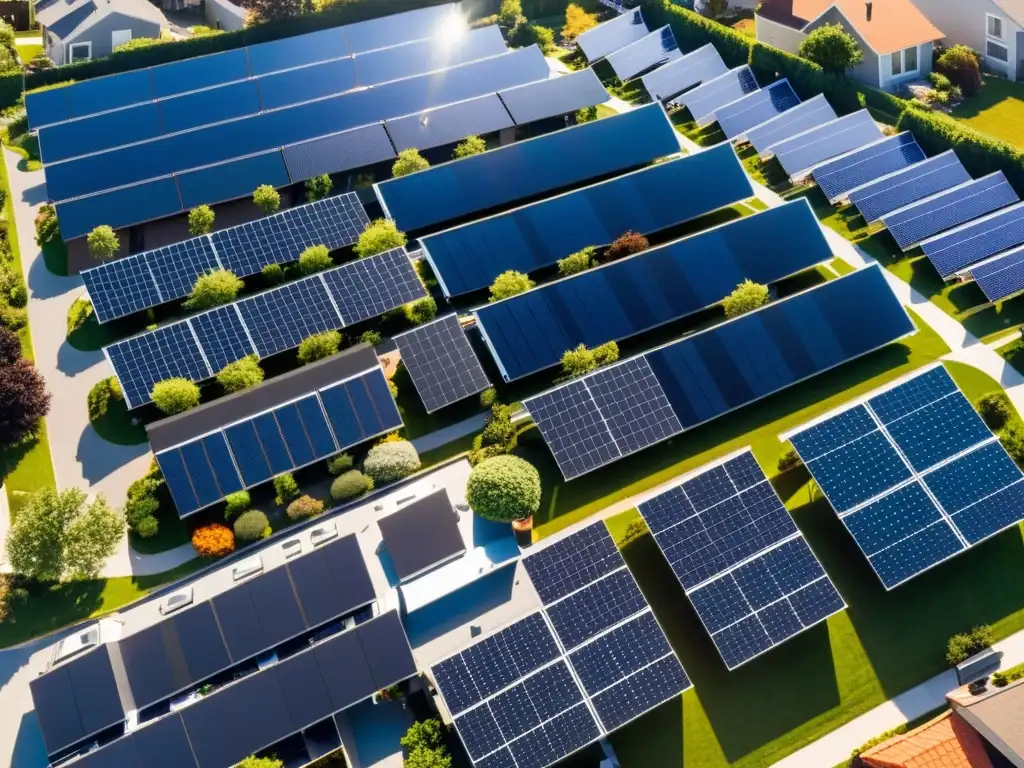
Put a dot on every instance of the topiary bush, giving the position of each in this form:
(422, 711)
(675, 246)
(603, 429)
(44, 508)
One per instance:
(371, 337)
(272, 274)
(995, 409)
(220, 286)
(510, 283)
(318, 346)
(236, 503)
(101, 395)
(173, 396)
(338, 464)
(266, 198)
(286, 488)
(471, 145)
(504, 488)
(315, 259)
(420, 311)
(391, 461)
(252, 526)
(241, 374)
(318, 187)
(213, 541)
(746, 297)
(102, 242)
(200, 220)
(305, 507)
(350, 485)
(409, 161)
(577, 262)
(379, 236)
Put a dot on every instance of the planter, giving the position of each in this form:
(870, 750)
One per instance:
(523, 526)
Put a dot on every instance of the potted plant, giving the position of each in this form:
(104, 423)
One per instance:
(505, 489)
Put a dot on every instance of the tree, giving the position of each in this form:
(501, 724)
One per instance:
(606, 354)
(713, 9)
(965, 644)
(285, 488)
(577, 21)
(236, 503)
(510, 283)
(832, 48)
(379, 236)
(272, 274)
(409, 161)
(510, 12)
(960, 64)
(213, 289)
(262, 11)
(422, 757)
(748, 296)
(103, 242)
(525, 34)
(200, 220)
(318, 346)
(503, 489)
(10, 347)
(577, 262)
(315, 259)
(578, 361)
(266, 198)
(241, 374)
(586, 115)
(424, 733)
(995, 409)
(420, 311)
(60, 535)
(24, 401)
(472, 145)
(173, 396)
(370, 337)
(626, 244)
(319, 187)
(391, 461)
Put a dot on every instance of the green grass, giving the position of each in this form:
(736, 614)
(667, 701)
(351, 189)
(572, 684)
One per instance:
(116, 426)
(997, 109)
(27, 52)
(173, 532)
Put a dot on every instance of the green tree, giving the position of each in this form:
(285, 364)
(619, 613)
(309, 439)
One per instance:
(266, 198)
(379, 236)
(421, 757)
(525, 34)
(172, 396)
(747, 297)
(832, 48)
(577, 21)
(965, 644)
(578, 361)
(260, 762)
(272, 274)
(586, 115)
(510, 283)
(371, 337)
(606, 354)
(213, 289)
(241, 374)
(504, 488)
(263, 11)
(420, 311)
(315, 259)
(472, 145)
(960, 64)
(61, 535)
(424, 733)
(577, 262)
(318, 346)
(409, 161)
(996, 409)
(286, 488)
(319, 187)
(200, 220)
(510, 13)
(103, 242)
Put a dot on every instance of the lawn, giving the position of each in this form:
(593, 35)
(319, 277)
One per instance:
(997, 110)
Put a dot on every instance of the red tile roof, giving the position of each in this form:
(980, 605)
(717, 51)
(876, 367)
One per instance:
(946, 742)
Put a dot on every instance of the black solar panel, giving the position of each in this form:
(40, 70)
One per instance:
(239, 623)
(276, 605)
(162, 743)
(153, 673)
(201, 641)
(344, 669)
(573, 562)
(303, 688)
(386, 648)
(443, 366)
(331, 581)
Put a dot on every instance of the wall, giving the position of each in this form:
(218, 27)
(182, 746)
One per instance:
(778, 35)
(962, 22)
(100, 33)
(223, 14)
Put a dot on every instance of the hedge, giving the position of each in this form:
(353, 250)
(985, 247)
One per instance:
(692, 30)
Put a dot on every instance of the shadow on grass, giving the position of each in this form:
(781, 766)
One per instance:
(173, 532)
(92, 336)
(12, 456)
(116, 425)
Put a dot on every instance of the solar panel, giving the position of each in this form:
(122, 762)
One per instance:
(232, 179)
(744, 565)
(709, 373)
(528, 168)
(384, 31)
(656, 286)
(119, 208)
(1001, 276)
(803, 117)
(449, 124)
(103, 131)
(957, 248)
(805, 150)
(914, 474)
(673, 78)
(837, 177)
(612, 35)
(469, 257)
(559, 95)
(165, 353)
(437, 52)
(650, 51)
(338, 152)
(759, 107)
(369, 287)
(714, 94)
(443, 366)
(916, 182)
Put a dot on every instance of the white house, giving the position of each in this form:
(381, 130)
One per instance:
(73, 30)
(993, 27)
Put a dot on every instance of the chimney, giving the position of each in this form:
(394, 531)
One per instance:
(867, 5)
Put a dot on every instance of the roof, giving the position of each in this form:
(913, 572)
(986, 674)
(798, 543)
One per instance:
(1012, 8)
(69, 18)
(945, 742)
(999, 717)
(894, 25)
(422, 534)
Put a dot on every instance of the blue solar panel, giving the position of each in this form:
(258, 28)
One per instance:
(119, 208)
(111, 92)
(316, 81)
(573, 562)
(468, 258)
(199, 72)
(94, 134)
(612, 35)
(528, 168)
(937, 431)
(191, 110)
(759, 107)
(889, 155)
(619, 653)
(595, 608)
(449, 124)
(280, 319)
(369, 287)
(805, 150)
(166, 353)
(232, 180)
(47, 107)
(916, 182)
(531, 331)
(914, 223)
(1002, 276)
(297, 51)
(640, 692)
(650, 51)
(120, 287)
(712, 95)
(694, 68)
(339, 152)
(560, 95)
(385, 31)
(556, 739)
(803, 117)
(221, 336)
(951, 251)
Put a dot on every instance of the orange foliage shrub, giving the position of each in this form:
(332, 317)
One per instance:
(213, 540)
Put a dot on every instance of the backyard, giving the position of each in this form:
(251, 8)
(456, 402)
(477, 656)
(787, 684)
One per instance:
(998, 110)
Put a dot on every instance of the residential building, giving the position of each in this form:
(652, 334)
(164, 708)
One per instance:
(995, 28)
(75, 30)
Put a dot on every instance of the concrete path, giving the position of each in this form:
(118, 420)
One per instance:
(449, 434)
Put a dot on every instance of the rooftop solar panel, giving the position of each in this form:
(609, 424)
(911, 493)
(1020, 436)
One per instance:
(649, 289)
(298, 51)
(384, 31)
(751, 111)
(837, 177)
(449, 124)
(803, 151)
(803, 117)
(1001, 276)
(650, 51)
(527, 168)
(429, 55)
(103, 131)
(948, 483)
(674, 77)
(119, 208)
(612, 35)
(714, 94)
(443, 366)
(200, 72)
(231, 180)
(951, 251)
(339, 152)
(559, 95)
(421, 535)
(331, 581)
(909, 185)
(469, 257)
(744, 565)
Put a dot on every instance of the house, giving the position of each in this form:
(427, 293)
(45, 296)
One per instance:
(993, 27)
(894, 35)
(74, 30)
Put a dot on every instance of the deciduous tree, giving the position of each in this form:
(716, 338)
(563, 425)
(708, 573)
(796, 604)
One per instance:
(832, 48)
(23, 400)
(200, 220)
(103, 242)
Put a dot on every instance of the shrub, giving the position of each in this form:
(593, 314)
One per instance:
(78, 314)
(510, 283)
(995, 409)
(1000, 679)
(586, 115)
(200, 220)
(504, 488)
(626, 245)
(747, 297)
(145, 499)
(391, 461)
(260, 762)
(236, 503)
(252, 526)
(17, 296)
(960, 64)
(138, 43)
(832, 48)
(371, 337)
(577, 262)
(789, 459)
(340, 463)
(424, 733)
(498, 437)
(940, 82)
(286, 488)
(272, 274)
(379, 236)
(241, 374)
(315, 259)
(409, 161)
(422, 757)
(103, 242)
(634, 530)
(488, 397)
(578, 361)
(318, 187)
(318, 346)
(305, 507)
(420, 311)
(1012, 438)
(10, 347)
(47, 227)
(963, 645)
(350, 485)
(213, 541)
(173, 396)
(577, 21)
(266, 198)
(525, 34)
(606, 354)
(213, 289)
(471, 145)
(99, 397)
(510, 12)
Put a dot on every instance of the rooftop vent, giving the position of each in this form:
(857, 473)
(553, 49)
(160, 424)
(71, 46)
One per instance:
(77, 643)
(248, 567)
(176, 601)
(292, 548)
(323, 534)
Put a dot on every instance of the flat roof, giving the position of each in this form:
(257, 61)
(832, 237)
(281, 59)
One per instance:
(422, 534)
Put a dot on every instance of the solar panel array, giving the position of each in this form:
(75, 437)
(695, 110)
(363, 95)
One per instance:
(1002, 276)
(612, 35)
(559, 679)
(443, 366)
(838, 177)
(676, 76)
(801, 118)
(756, 109)
(955, 249)
(555, 96)
(469, 257)
(531, 331)
(264, 324)
(624, 408)
(743, 563)
(648, 52)
(806, 150)
(714, 94)
(914, 474)
(916, 182)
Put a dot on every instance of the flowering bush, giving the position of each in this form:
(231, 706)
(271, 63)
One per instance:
(214, 540)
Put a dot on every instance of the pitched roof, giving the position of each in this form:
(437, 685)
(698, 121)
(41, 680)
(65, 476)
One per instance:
(69, 18)
(945, 742)
(894, 25)
(69, 21)
(1012, 8)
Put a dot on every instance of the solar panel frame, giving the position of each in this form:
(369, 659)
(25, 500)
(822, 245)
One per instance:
(650, 51)
(755, 109)
(807, 116)
(836, 178)
(896, 190)
(798, 154)
(441, 362)
(1002, 276)
(683, 73)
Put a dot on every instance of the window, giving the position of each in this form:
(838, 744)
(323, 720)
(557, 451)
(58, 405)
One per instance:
(995, 26)
(897, 63)
(997, 51)
(910, 59)
(904, 62)
(994, 49)
(119, 37)
(79, 51)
